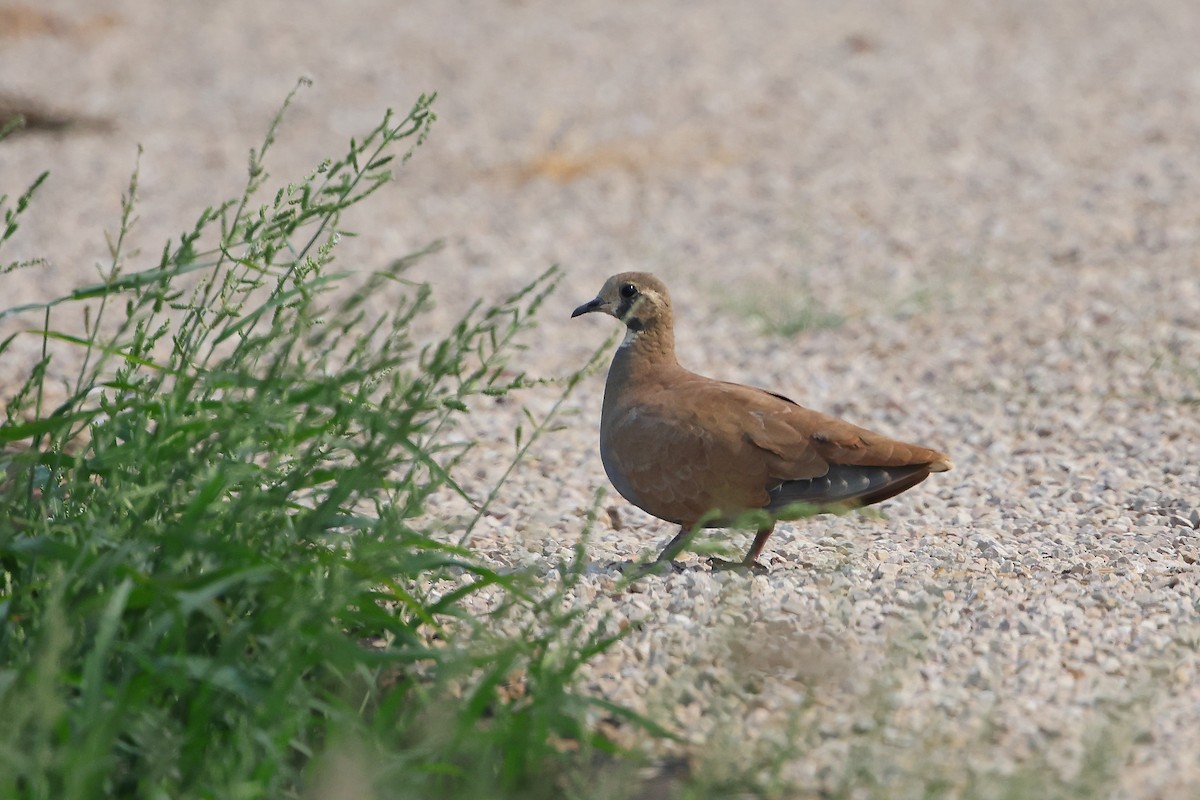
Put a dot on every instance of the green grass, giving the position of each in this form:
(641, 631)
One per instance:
(217, 577)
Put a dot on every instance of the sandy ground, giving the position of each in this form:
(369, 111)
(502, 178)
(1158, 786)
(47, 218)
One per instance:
(998, 202)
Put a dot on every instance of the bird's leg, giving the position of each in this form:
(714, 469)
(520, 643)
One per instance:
(675, 545)
(667, 557)
(750, 562)
(760, 541)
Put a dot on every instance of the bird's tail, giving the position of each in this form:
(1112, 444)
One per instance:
(847, 486)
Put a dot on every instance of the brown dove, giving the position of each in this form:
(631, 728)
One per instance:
(692, 450)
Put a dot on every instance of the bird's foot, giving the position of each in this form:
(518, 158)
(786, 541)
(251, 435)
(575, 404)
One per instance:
(656, 567)
(721, 565)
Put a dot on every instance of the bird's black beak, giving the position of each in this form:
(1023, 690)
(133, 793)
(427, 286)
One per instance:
(588, 307)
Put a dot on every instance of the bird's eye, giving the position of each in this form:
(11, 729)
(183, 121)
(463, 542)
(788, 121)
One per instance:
(628, 290)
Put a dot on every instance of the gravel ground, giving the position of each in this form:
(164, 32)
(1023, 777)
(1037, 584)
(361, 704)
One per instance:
(989, 210)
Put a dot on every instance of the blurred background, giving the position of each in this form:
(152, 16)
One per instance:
(870, 157)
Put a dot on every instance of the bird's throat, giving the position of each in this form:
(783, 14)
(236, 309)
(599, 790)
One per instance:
(645, 350)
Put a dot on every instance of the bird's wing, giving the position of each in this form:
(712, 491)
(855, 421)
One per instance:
(790, 429)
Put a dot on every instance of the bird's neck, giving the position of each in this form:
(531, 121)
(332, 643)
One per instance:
(644, 357)
(651, 348)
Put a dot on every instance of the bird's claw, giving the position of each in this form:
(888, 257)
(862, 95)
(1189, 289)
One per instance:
(656, 567)
(721, 565)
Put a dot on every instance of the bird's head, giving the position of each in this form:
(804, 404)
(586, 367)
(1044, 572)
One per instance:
(638, 299)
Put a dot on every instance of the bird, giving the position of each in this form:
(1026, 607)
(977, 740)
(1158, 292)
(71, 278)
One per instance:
(695, 451)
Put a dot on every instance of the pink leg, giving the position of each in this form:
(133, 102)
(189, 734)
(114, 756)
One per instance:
(760, 541)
